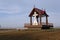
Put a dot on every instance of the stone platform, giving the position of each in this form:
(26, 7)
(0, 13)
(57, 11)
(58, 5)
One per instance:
(27, 25)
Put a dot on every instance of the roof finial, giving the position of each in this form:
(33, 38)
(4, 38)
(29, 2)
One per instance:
(34, 6)
(44, 10)
(34, 3)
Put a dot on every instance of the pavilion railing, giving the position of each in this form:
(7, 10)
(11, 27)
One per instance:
(43, 23)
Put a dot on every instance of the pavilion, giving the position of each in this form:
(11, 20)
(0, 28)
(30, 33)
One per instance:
(38, 14)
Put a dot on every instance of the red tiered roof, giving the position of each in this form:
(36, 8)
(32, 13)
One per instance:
(39, 11)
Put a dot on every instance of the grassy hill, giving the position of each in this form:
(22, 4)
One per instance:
(51, 34)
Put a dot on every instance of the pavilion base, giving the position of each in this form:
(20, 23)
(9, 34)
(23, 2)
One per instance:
(44, 26)
(38, 26)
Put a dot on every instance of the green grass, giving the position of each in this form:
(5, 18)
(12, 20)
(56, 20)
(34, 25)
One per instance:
(50, 34)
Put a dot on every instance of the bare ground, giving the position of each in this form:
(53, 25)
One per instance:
(30, 35)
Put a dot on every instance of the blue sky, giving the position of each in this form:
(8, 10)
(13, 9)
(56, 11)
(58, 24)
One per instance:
(14, 13)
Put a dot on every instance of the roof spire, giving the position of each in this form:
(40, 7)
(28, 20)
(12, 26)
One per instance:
(34, 3)
(34, 6)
